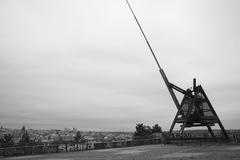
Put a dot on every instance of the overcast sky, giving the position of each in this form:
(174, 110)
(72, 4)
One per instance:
(85, 64)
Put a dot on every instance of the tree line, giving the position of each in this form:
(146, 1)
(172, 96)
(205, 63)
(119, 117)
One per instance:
(146, 132)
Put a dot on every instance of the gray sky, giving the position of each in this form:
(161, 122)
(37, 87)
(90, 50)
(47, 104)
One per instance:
(85, 63)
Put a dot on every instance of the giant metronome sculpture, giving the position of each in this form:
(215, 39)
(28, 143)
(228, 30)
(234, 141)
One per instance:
(195, 109)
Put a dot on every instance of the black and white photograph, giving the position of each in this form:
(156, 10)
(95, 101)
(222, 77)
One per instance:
(119, 79)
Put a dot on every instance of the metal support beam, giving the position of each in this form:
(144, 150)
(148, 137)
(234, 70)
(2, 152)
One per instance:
(215, 114)
(177, 88)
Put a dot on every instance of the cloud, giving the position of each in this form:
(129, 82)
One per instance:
(85, 64)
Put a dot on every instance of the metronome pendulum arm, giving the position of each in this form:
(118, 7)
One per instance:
(169, 85)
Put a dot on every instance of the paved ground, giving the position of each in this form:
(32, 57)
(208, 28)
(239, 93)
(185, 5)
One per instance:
(147, 152)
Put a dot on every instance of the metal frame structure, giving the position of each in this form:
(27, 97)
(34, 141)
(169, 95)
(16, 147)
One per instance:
(195, 109)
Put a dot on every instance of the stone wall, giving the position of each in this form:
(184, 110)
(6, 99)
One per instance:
(43, 149)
